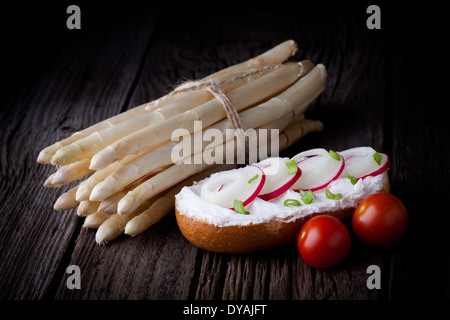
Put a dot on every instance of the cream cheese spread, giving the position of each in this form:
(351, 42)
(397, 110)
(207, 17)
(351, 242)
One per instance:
(190, 203)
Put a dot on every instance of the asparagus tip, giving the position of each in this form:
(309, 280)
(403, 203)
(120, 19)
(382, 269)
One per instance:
(126, 206)
(100, 192)
(43, 158)
(82, 194)
(103, 158)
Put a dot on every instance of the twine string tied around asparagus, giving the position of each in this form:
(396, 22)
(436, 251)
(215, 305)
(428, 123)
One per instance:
(214, 86)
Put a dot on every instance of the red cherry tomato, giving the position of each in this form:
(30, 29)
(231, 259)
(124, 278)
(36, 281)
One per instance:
(323, 242)
(380, 220)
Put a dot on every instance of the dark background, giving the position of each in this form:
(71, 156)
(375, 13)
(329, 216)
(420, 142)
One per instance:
(386, 88)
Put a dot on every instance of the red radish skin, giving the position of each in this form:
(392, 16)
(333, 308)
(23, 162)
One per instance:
(257, 190)
(380, 170)
(222, 190)
(279, 191)
(341, 169)
(289, 183)
(278, 178)
(362, 159)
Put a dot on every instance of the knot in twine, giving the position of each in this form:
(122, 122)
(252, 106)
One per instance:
(214, 86)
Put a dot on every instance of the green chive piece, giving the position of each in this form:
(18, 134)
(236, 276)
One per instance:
(377, 158)
(334, 155)
(292, 166)
(333, 196)
(253, 179)
(291, 202)
(239, 207)
(353, 180)
(307, 196)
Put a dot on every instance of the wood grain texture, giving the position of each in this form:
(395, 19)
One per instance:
(375, 95)
(419, 125)
(229, 276)
(76, 90)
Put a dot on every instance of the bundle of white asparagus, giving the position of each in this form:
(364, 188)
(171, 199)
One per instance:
(128, 180)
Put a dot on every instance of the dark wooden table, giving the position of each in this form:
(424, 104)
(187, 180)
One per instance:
(386, 88)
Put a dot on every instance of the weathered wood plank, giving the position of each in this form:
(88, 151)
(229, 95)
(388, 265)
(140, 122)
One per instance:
(145, 267)
(163, 263)
(75, 90)
(99, 74)
(160, 263)
(356, 75)
(172, 56)
(420, 262)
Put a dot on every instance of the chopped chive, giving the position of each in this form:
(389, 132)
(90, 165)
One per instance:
(377, 158)
(353, 180)
(291, 202)
(253, 179)
(334, 155)
(239, 207)
(292, 166)
(307, 196)
(333, 196)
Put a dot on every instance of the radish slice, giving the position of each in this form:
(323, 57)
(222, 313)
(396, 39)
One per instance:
(319, 168)
(243, 184)
(362, 162)
(278, 178)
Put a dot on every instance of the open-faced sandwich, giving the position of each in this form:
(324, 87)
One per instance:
(264, 205)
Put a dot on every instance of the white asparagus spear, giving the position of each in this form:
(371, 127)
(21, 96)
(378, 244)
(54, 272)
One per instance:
(110, 224)
(165, 204)
(49, 182)
(132, 171)
(87, 207)
(157, 184)
(69, 173)
(86, 186)
(296, 113)
(109, 205)
(47, 153)
(286, 103)
(115, 224)
(209, 113)
(94, 220)
(90, 145)
(152, 215)
(67, 200)
(111, 228)
(275, 55)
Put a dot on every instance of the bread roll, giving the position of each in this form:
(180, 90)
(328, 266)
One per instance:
(270, 224)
